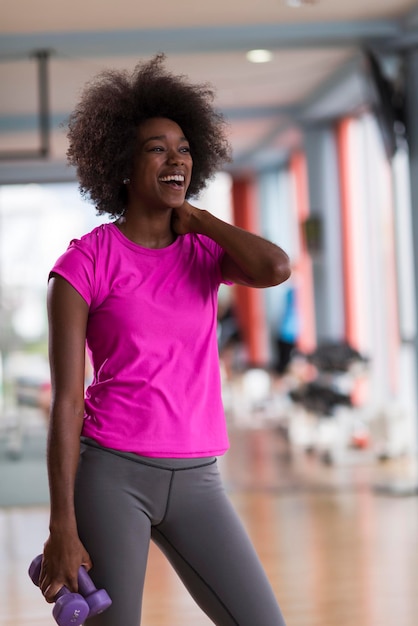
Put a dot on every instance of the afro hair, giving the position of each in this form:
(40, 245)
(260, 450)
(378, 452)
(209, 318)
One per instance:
(102, 129)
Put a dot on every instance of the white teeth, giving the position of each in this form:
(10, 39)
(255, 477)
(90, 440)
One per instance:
(177, 178)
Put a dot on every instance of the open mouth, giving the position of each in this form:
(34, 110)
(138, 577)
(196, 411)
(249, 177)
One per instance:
(176, 181)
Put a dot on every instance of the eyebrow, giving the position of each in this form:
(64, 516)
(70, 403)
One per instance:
(162, 137)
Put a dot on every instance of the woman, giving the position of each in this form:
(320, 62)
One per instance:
(141, 291)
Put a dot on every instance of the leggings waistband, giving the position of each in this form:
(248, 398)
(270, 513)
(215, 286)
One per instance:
(162, 463)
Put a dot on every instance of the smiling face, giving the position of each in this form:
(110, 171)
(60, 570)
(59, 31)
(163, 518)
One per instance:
(163, 165)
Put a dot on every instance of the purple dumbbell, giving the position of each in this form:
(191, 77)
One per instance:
(71, 609)
(97, 599)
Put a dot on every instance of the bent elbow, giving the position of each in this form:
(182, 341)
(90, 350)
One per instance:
(282, 270)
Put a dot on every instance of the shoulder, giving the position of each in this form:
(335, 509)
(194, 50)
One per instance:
(84, 262)
(206, 246)
(205, 256)
(84, 253)
(97, 238)
(93, 246)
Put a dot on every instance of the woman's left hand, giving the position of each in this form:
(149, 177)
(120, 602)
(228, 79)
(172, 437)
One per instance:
(182, 218)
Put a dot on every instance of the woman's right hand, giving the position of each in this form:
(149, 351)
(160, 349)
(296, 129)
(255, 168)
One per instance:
(62, 558)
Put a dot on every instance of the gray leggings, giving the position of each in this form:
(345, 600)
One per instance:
(122, 503)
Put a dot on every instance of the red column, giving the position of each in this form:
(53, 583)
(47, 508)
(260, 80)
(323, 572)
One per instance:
(303, 264)
(249, 302)
(348, 191)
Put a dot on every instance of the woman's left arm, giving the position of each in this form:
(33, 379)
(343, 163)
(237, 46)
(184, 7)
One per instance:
(249, 259)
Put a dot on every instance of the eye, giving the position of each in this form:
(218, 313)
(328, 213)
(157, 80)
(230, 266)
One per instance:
(157, 149)
(185, 149)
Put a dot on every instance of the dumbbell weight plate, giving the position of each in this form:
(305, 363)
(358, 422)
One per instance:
(69, 610)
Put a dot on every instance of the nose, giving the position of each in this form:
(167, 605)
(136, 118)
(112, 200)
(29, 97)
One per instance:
(175, 157)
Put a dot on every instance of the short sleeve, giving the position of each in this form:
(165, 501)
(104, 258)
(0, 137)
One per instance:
(77, 266)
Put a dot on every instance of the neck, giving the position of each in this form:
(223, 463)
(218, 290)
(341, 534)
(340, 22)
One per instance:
(147, 233)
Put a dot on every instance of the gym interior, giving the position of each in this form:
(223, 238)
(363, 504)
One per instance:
(319, 374)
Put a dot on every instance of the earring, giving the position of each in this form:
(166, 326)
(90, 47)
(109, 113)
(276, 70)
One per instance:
(126, 181)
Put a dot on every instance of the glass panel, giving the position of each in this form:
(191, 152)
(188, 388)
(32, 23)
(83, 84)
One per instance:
(37, 223)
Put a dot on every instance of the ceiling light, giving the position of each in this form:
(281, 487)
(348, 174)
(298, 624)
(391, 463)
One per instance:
(296, 4)
(259, 56)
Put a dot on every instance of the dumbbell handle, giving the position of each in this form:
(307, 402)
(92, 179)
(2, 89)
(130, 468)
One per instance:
(85, 584)
(62, 592)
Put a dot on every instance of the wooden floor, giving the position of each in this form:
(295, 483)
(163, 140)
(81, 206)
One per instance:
(338, 551)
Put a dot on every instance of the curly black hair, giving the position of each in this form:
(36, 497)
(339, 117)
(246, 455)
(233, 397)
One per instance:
(102, 129)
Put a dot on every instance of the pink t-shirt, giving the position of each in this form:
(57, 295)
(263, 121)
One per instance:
(151, 337)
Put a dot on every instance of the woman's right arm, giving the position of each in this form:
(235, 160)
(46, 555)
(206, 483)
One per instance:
(63, 551)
